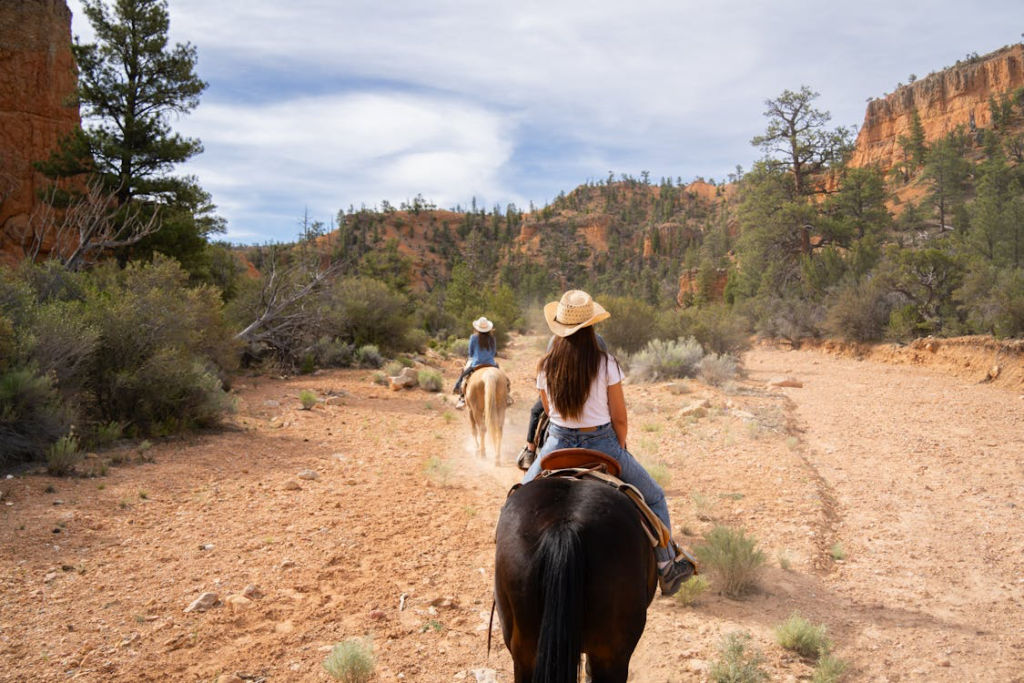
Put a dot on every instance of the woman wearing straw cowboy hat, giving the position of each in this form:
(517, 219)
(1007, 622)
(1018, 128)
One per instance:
(481, 352)
(581, 388)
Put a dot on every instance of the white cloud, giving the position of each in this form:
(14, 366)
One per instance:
(326, 152)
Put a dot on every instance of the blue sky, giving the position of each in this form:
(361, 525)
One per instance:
(322, 104)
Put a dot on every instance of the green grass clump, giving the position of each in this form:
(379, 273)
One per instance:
(736, 662)
(448, 416)
(430, 380)
(837, 552)
(828, 670)
(802, 637)
(106, 434)
(380, 378)
(62, 456)
(351, 661)
(308, 399)
(792, 443)
(652, 427)
(732, 559)
(785, 561)
(691, 590)
(393, 369)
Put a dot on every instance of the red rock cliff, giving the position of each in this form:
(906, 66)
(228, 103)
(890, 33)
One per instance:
(943, 100)
(37, 80)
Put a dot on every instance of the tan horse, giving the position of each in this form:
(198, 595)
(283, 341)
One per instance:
(486, 393)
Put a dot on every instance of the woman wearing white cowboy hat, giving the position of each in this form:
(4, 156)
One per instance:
(581, 388)
(481, 352)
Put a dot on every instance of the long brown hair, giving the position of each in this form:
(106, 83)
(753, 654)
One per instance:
(570, 367)
(485, 340)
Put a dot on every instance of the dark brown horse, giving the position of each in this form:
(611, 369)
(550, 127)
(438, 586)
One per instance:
(574, 573)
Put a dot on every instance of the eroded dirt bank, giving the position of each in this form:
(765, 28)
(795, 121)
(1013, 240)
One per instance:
(918, 476)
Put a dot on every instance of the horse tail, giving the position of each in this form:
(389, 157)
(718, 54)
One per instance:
(561, 577)
(494, 401)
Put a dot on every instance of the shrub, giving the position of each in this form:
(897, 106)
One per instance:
(108, 433)
(365, 311)
(718, 328)
(31, 416)
(308, 399)
(368, 356)
(393, 368)
(459, 347)
(859, 313)
(735, 663)
(351, 661)
(631, 326)
(716, 370)
(732, 559)
(828, 670)
(803, 637)
(62, 456)
(791, 319)
(60, 340)
(334, 353)
(785, 561)
(691, 590)
(666, 360)
(380, 378)
(430, 380)
(837, 551)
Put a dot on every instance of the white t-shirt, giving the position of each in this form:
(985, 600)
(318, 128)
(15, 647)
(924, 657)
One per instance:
(595, 410)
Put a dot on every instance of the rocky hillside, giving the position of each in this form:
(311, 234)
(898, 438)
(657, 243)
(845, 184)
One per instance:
(957, 96)
(37, 78)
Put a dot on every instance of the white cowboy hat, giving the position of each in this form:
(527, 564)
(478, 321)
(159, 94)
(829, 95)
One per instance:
(573, 312)
(483, 325)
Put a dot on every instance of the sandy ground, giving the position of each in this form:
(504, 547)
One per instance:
(918, 476)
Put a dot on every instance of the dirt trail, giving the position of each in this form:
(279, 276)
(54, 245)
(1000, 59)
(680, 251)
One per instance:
(917, 476)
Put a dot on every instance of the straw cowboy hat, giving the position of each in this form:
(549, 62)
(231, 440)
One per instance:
(483, 325)
(573, 312)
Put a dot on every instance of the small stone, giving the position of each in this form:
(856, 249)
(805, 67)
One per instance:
(697, 666)
(277, 422)
(58, 501)
(252, 592)
(230, 678)
(203, 603)
(744, 415)
(285, 627)
(994, 372)
(238, 603)
(309, 475)
(404, 380)
(697, 408)
(944, 662)
(272, 404)
(287, 564)
(49, 577)
(292, 485)
(377, 615)
(340, 457)
(208, 546)
(334, 401)
(485, 675)
(785, 382)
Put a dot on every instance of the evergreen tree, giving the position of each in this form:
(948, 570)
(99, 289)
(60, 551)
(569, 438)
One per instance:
(946, 172)
(130, 84)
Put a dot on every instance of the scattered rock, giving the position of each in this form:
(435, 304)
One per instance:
(49, 577)
(229, 678)
(203, 603)
(405, 379)
(272, 404)
(744, 415)
(334, 401)
(287, 564)
(377, 615)
(485, 675)
(698, 408)
(207, 546)
(277, 422)
(785, 382)
(340, 457)
(931, 346)
(446, 601)
(285, 627)
(252, 592)
(994, 372)
(291, 485)
(238, 603)
(697, 666)
(309, 475)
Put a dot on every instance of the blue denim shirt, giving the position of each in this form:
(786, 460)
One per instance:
(478, 355)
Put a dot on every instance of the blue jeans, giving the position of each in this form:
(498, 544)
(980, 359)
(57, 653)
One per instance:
(604, 440)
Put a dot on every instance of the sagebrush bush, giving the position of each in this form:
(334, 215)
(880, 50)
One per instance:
(62, 456)
(661, 360)
(716, 370)
(791, 318)
(430, 380)
(829, 669)
(368, 356)
(803, 637)
(718, 328)
(691, 590)
(366, 311)
(859, 313)
(393, 368)
(732, 559)
(351, 661)
(459, 347)
(31, 416)
(737, 662)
